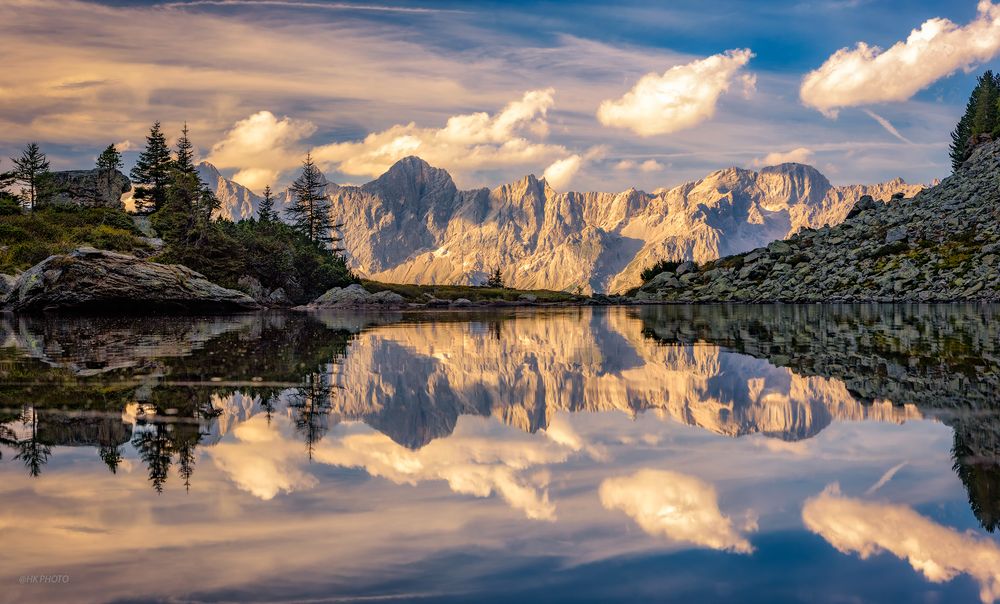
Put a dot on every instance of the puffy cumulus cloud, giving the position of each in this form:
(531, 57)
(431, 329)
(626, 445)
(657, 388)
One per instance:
(801, 155)
(938, 552)
(263, 458)
(511, 137)
(628, 165)
(260, 147)
(472, 461)
(867, 74)
(562, 171)
(679, 98)
(674, 505)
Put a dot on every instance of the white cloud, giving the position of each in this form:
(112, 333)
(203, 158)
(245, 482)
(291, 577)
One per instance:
(562, 171)
(801, 155)
(472, 141)
(123, 146)
(866, 75)
(650, 165)
(260, 147)
(680, 98)
(938, 552)
(262, 460)
(674, 505)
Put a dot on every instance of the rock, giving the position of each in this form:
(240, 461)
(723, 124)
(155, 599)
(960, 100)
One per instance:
(664, 279)
(95, 280)
(864, 203)
(895, 234)
(528, 298)
(461, 303)
(251, 287)
(89, 188)
(779, 248)
(278, 298)
(685, 268)
(355, 295)
(6, 284)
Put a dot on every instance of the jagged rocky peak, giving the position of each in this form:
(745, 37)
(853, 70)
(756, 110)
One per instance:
(412, 178)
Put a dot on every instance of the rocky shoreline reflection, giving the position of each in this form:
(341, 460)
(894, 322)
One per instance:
(170, 387)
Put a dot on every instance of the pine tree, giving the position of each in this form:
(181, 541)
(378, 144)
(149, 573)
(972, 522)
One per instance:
(495, 279)
(109, 159)
(985, 119)
(266, 211)
(310, 209)
(108, 163)
(31, 169)
(152, 172)
(982, 116)
(185, 152)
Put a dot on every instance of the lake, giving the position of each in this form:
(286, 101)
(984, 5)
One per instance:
(821, 453)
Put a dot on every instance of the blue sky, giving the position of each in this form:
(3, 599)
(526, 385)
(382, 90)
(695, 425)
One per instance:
(550, 88)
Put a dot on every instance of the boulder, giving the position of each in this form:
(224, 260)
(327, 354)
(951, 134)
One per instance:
(89, 188)
(355, 295)
(91, 280)
(278, 298)
(895, 234)
(461, 303)
(867, 202)
(686, 267)
(528, 298)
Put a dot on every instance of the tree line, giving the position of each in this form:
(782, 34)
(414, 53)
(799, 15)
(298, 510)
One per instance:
(300, 255)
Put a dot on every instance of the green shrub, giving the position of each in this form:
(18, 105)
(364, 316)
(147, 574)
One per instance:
(106, 237)
(660, 267)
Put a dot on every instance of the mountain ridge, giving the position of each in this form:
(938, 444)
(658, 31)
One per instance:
(413, 224)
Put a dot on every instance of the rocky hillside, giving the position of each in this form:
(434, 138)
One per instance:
(413, 224)
(943, 244)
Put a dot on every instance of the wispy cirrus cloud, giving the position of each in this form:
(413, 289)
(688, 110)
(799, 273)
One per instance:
(332, 6)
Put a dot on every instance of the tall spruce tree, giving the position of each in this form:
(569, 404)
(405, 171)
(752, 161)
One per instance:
(982, 116)
(185, 152)
(310, 209)
(152, 172)
(266, 213)
(31, 169)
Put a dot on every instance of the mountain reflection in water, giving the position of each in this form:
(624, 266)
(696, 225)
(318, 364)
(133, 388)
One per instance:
(608, 431)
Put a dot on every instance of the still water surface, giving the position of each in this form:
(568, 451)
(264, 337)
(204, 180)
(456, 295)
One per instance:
(712, 453)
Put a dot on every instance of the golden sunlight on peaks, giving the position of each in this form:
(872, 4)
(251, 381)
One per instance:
(676, 506)
(938, 552)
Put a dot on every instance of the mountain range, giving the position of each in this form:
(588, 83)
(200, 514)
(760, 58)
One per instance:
(414, 225)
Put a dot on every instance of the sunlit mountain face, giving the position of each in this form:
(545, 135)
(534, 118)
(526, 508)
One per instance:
(669, 453)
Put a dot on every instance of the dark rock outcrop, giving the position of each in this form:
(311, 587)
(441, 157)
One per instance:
(91, 280)
(941, 245)
(89, 188)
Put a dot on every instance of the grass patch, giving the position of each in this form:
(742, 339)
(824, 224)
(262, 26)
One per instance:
(27, 238)
(417, 293)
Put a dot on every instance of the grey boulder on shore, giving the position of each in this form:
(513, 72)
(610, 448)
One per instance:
(354, 296)
(94, 280)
